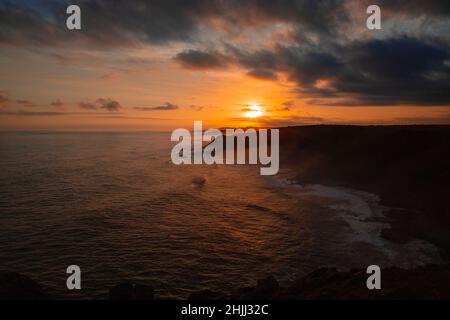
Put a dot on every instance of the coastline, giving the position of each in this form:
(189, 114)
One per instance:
(406, 166)
(364, 219)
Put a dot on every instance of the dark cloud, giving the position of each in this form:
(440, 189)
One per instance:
(87, 105)
(57, 103)
(22, 113)
(108, 104)
(260, 59)
(158, 22)
(168, 106)
(327, 57)
(4, 100)
(263, 74)
(26, 103)
(400, 70)
(106, 22)
(379, 72)
(432, 7)
(262, 64)
(195, 59)
(101, 103)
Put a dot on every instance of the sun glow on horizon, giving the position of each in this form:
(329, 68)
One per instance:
(254, 111)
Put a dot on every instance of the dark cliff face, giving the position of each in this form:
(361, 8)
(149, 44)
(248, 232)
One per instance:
(407, 166)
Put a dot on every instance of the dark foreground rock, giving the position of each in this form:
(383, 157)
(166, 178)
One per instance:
(431, 282)
(129, 291)
(15, 286)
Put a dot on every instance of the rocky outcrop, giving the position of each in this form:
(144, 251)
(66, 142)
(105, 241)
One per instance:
(430, 282)
(407, 166)
(129, 291)
(15, 286)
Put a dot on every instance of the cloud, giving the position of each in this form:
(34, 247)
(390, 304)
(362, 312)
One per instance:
(109, 116)
(285, 106)
(118, 115)
(110, 23)
(4, 100)
(108, 104)
(378, 72)
(328, 55)
(58, 104)
(288, 105)
(104, 23)
(196, 107)
(87, 105)
(22, 113)
(168, 106)
(26, 103)
(433, 7)
(401, 70)
(263, 74)
(101, 103)
(196, 59)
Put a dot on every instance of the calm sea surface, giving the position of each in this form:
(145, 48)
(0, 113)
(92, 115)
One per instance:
(114, 204)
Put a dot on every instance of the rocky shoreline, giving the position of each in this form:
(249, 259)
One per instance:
(406, 166)
(429, 282)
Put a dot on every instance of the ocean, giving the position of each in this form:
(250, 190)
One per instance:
(115, 205)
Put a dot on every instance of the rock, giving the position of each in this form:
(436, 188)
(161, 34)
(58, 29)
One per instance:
(128, 291)
(267, 286)
(318, 272)
(205, 295)
(143, 292)
(15, 286)
(122, 291)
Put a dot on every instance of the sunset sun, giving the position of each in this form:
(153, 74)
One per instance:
(253, 112)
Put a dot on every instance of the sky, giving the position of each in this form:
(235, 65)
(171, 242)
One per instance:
(160, 65)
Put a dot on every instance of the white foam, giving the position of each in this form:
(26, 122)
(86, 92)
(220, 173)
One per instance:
(366, 218)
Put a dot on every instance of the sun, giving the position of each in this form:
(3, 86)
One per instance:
(253, 111)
